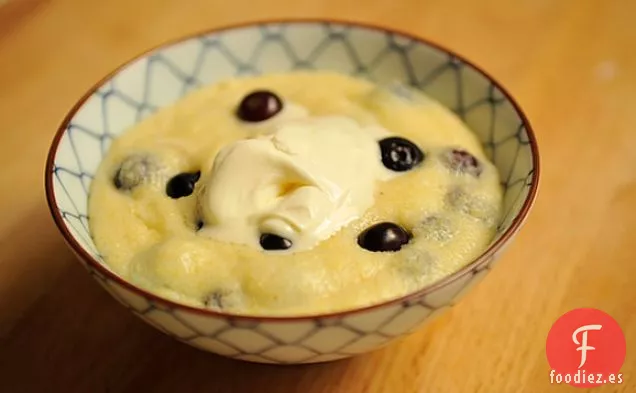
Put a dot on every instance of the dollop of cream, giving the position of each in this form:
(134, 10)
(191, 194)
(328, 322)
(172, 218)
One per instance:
(302, 179)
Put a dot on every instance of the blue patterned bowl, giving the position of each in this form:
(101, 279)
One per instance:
(163, 75)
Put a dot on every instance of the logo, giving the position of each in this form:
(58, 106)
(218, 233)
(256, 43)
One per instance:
(586, 348)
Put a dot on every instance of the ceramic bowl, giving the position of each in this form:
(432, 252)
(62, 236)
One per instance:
(161, 76)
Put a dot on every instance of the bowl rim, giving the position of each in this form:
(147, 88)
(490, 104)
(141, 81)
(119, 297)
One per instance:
(484, 257)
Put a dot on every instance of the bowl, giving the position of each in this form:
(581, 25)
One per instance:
(162, 75)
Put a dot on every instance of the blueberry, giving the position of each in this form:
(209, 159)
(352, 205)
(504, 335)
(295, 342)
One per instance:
(259, 105)
(415, 263)
(269, 241)
(182, 184)
(214, 300)
(135, 170)
(385, 236)
(462, 161)
(436, 228)
(459, 199)
(223, 298)
(475, 205)
(399, 154)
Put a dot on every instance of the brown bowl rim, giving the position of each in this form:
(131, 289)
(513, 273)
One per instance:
(481, 260)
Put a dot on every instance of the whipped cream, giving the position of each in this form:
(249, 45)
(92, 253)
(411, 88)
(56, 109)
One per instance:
(302, 179)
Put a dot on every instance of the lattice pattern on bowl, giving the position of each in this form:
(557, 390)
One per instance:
(163, 76)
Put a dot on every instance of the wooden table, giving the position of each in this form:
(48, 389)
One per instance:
(571, 65)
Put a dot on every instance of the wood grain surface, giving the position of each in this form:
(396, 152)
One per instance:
(570, 63)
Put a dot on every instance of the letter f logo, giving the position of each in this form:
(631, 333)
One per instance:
(583, 344)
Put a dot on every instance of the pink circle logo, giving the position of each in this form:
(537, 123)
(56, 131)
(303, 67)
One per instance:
(586, 348)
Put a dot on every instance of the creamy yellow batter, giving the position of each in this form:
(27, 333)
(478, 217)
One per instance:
(152, 239)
